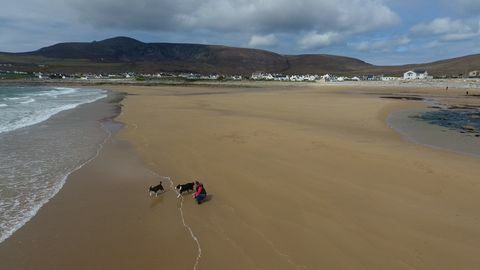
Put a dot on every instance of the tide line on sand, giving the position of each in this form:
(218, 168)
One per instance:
(182, 216)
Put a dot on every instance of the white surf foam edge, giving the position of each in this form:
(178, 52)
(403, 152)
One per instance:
(57, 188)
(32, 212)
(46, 115)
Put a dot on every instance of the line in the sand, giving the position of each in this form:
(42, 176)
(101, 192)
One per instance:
(187, 227)
(180, 209)
(194, 237)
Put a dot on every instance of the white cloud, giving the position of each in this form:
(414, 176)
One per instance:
(460, 36)
(383, 45)
(465, 6)
(316, 40)
(266, 41)
(254, 19)
(251, 16)
(433, 44)
(441, 26)
(447, 29)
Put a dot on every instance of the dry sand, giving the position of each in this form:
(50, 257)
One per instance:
(308, 178)
(300, 178)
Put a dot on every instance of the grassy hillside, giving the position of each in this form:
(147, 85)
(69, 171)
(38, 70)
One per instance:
(124, 54)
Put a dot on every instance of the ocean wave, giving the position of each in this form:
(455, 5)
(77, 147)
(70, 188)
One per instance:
(44, 115)
(28, 101)
(17, 221)
(40, 181)
(3, 105)
(17, 217)
(66, 88)
(58, 91)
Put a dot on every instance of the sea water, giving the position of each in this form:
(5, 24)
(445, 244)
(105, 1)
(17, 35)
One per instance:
(451, 129)
(44, 136)
(463, 120)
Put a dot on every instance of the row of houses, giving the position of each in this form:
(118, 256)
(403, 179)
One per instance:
(417, 74)
(423, 74)
(281, 77)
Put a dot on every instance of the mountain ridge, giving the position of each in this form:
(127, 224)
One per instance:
(124, 54)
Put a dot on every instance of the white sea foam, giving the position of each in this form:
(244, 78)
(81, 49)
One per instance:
(43, 115)
(68, 89)
(17, 221)
(57, 91)
(28, 101)
(27, 180)
(65, 90)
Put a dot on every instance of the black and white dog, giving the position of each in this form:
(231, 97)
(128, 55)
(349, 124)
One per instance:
(155, 189)
(184, 188)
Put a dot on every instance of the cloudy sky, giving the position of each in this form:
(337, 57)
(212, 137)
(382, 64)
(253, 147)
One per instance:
(377, 31)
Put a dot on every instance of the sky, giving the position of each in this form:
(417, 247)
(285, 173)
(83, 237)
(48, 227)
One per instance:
(381, 32)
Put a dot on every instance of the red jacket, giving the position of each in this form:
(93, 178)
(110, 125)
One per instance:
(200, 190)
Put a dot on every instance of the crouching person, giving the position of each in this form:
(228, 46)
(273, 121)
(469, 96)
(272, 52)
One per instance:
(200, 192)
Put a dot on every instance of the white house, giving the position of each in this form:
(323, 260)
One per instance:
(262, 76)
(389, 78)
(326, 77)
(473, 74)
(415, 74)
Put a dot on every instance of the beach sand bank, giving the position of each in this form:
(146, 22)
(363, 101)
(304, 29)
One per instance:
(308, 178)
(300, 178)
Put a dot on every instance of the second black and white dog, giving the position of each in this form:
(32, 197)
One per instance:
(155, 189)
(185, 187)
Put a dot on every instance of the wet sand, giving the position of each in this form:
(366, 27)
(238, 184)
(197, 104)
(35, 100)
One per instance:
(300, 178)
(413, 129)
(103, 218)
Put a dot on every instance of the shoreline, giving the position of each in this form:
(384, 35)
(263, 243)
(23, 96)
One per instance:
(420, 100)
(67, 225)
(433, 136)
(471, 84)
(39, 131)
(299, 178)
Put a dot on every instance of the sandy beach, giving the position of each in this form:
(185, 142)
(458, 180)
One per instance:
(307, 177)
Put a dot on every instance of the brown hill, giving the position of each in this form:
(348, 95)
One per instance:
(123, 54)
(322, 64)
(458, 66)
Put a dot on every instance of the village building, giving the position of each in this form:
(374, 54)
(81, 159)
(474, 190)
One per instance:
(415, 74)
(474, 74)
(371, 77)
(389, 78)
(262, 76)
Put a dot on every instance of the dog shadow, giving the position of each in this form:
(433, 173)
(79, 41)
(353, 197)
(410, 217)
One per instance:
(155, 200)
